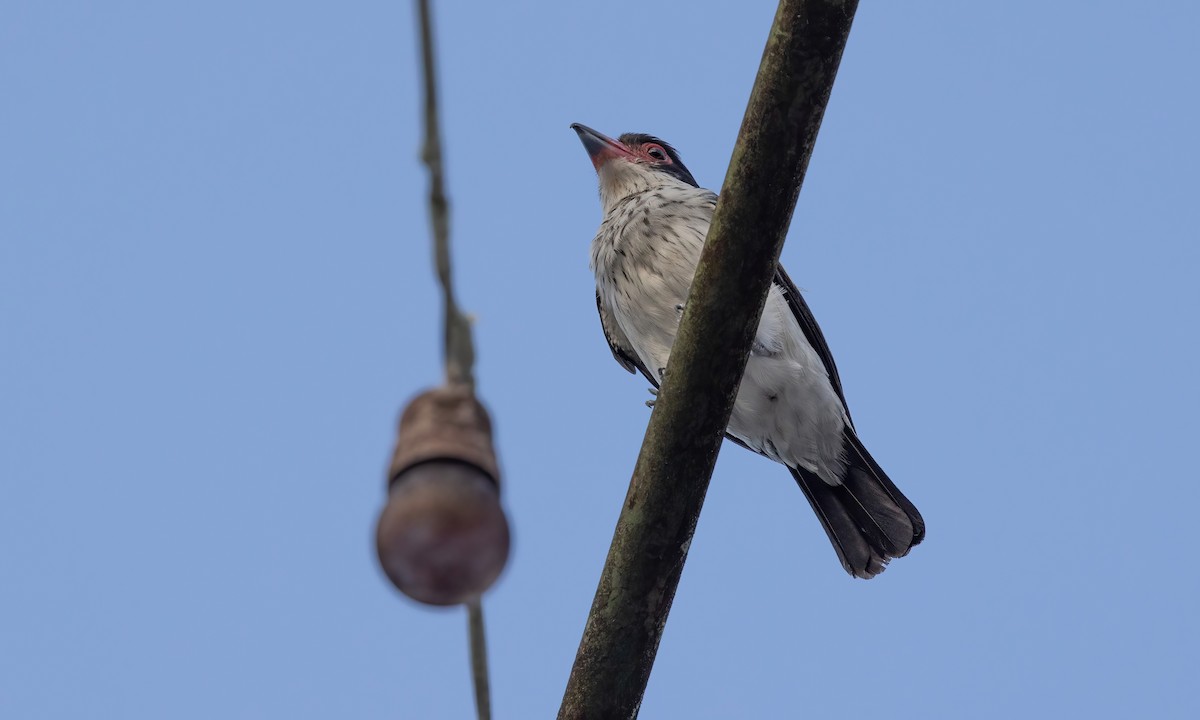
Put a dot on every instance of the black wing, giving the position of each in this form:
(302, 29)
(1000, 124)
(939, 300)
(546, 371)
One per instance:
(812, 331)
(619, 344)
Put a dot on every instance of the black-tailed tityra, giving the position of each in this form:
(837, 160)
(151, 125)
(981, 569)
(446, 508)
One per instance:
(789, 406)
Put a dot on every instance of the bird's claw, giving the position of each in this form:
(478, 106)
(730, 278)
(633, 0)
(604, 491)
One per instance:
(654, 392)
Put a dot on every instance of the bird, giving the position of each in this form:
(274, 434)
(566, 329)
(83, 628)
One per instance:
(790, 406)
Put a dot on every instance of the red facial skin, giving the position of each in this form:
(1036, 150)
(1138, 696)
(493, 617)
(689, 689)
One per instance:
(652, 153)
(649, 153)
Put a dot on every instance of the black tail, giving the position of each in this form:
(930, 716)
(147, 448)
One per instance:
(867, 518)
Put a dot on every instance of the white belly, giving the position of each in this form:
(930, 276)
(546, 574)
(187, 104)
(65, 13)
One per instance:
(786, 408)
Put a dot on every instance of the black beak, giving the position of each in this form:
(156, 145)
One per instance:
(600, 147)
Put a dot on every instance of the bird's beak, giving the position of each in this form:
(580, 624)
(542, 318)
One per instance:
(600, 147)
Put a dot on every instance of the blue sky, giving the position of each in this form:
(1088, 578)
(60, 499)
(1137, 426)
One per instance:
(216, 294)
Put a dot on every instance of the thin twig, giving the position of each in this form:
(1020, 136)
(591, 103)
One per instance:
(708, 357)
(459, 351)
(479, 664)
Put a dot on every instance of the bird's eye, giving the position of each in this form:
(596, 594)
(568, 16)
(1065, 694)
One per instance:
(656, 152)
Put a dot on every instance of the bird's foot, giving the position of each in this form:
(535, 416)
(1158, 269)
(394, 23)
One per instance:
(654, 392)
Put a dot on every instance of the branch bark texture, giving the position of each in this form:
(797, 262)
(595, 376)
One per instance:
(687, 426)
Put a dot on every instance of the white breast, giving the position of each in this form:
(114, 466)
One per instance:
(644, 258)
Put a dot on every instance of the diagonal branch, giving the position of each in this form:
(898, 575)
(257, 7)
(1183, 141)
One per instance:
(740, 255)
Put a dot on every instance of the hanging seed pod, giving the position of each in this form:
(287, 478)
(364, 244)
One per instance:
(443, 537)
